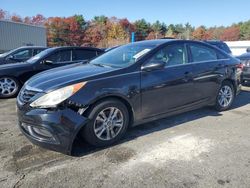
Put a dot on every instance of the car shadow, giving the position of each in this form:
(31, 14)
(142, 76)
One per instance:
(81, 148)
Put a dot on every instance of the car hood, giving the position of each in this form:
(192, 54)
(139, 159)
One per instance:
(66, 75)
(244, 56)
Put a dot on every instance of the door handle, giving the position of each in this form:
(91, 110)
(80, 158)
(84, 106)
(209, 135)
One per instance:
(188, 76)
(218, 66)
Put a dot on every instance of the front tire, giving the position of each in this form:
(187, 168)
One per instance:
(9, 87)
(109, 121)
(225, 96)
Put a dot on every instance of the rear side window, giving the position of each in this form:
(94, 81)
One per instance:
(37, 51)
(61, 56)
(223, 47)
(83, 54)
(202, 53)
(171, 55)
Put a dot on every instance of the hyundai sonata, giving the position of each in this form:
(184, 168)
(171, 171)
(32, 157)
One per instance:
(127, 86)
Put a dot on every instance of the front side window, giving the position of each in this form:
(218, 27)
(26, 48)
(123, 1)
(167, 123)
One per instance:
(40, 56)
(202, 53)
(61, 56)
(171, 55)
(24, 54)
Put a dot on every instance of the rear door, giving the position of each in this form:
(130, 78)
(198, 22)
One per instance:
(170, 88)
(208, 69)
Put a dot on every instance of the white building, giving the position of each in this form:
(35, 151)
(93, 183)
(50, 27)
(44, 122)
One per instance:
(14, 35)
(238, 47)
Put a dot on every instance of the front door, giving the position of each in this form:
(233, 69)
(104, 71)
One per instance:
(170, 88)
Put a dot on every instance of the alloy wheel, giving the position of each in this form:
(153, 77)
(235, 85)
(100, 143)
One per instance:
(8, 86)
(225, 96)
(108, 123)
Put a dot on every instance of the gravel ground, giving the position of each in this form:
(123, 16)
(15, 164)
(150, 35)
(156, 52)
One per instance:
(202, 148)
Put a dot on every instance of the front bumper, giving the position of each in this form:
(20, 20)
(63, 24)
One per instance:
(60, 127)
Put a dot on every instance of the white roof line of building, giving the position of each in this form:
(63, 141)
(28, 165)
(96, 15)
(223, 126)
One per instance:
(22, 23)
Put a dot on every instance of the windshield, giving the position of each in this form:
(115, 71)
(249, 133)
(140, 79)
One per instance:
(39, 55)
(123, 56)
(8, 52)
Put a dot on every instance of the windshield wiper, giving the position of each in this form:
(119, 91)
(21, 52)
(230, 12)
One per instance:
(102, 65)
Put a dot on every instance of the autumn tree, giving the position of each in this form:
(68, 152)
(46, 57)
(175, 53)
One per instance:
(93, 35)
(57, 32)
(116, 34)
(38, 20)
(126, 25)
(200, 33)
(231, 34)
(2, 14)
(27, 20)
(215, 33)
(16, 18)
(102, 31)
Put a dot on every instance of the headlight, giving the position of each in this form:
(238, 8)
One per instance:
(54, 98)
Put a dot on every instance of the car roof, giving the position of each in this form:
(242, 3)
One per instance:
(155, 42)
(32, 47)
(244, 56)
(158, 42)
(77, 47)
(214, 41)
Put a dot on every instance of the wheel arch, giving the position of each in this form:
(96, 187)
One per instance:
(98, 100)
(233, 82)
(115, 97)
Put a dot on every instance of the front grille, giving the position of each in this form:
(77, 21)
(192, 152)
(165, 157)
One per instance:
(26, 95)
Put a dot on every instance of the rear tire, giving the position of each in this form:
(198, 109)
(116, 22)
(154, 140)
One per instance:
(225, 97)
(109, 120)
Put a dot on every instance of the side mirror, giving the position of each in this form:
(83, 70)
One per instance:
(248, 49)
(153, 65)
(47, 62)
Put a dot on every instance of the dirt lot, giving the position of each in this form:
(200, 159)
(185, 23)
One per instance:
(202, 148)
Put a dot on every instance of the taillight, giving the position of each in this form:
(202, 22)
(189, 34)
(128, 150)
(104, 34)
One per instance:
(240, 66)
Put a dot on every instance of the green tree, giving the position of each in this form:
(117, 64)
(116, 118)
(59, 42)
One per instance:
(245, 30)
(142, 29)
(81, 21)
(159, 28)
(100, 19)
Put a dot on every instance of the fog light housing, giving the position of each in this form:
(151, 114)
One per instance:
(38, 132)
(42, 132)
